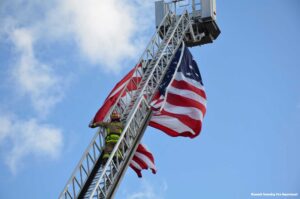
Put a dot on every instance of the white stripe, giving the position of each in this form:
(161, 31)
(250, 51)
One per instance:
(135, 74)
(172, 123)
(157, 102)
(188, 94)
(191, 112)
(178, 64)
(138, 72)
(118, 89)
(136, 165)
(157, 105)
(127, 98)
(145, 159)
(180, 76)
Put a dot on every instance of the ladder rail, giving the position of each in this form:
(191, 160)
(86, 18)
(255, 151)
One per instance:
(138, 105)
(155, 40)
(179, 22)
(90, 157)
(80, 168)
(154, 59)
(100, 134)
(110, 164)
(158, 61)
(112, 190)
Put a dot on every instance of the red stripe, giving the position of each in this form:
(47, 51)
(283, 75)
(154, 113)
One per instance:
(178, 100)
(132, 84)
(153, 171)
(140, 162)
(186, 86)
(156, 96)
(192, 123)
(120, 83)
(157, 101)
(138, 172)
(111, 100)
(141, 149)
(171, 132)
(104, 109)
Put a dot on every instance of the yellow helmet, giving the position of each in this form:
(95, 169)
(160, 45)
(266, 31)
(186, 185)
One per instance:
(115, 115)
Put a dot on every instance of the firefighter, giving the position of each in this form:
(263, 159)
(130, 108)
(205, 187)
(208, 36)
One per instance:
(114, 129)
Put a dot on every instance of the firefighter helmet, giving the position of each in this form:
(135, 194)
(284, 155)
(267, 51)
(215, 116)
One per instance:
(115, 115)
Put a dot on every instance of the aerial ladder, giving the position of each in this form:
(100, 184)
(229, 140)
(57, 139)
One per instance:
(177, 22)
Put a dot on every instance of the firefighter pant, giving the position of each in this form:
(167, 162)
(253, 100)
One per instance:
(109, 147)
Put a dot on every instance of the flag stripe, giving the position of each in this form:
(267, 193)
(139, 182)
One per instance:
(121, 84)
(180, 101)
(135, 165)
(184, 100)
(143, 149)
(187, 94)
(140, 162)
(133, 83)
(142, 159)
(181, 77)
(118, 90)
(168, 129)
(186, 113)
(171, 122)
(188, 86)
(136, 169)
(146, 159)
(178, 106)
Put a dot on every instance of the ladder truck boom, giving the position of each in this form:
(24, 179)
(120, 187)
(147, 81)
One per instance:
(90, 179)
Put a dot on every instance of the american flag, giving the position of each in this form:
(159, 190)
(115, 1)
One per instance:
(143, 158)
(178, 106)
(180, 102)
(117, 91)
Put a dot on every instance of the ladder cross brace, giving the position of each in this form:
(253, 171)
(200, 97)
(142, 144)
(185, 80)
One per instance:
(102, 181)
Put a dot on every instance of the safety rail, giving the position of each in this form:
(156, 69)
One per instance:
(94, 149)
(136, 119)
(160, 62)
(125, 146)
(155, 61)
(84, 168)
(148, 54)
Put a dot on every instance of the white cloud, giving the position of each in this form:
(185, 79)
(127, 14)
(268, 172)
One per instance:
(148, 191)
(103, 30)
(33, 78)
(27, 138)
(106, 32)
(5, 124)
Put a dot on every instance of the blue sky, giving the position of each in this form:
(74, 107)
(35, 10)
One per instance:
(59, 60)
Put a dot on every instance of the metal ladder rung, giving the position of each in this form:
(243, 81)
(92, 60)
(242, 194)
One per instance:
(156, 59)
